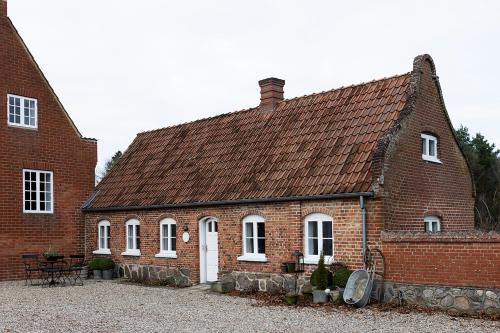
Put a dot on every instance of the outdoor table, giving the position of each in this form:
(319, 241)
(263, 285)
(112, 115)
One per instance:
(54, 267)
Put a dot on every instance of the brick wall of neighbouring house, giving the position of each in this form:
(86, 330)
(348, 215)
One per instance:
(467, 259)
(54, 146)
(284, 233)
(414, 188)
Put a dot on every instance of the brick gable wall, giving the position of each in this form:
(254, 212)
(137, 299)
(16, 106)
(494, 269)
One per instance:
(55, 146)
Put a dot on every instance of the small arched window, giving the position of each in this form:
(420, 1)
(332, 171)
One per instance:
(429, 147)
(168, 239)
(432, 224)
(133, 238)
(103, 237)
(318, 234)
(254, 238)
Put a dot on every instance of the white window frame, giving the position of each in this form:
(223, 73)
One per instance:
(52, 202)
(134, 251)
(252, 256)
(319, 219)
(103, 236)
(429, 220)
(22, 115)
(167, 253)
(429, 139)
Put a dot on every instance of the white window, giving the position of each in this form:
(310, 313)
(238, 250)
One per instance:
(432, 224)
(254, 239)
(133, 238)
(318, 237)
(429, 148)
(21, 111)
(38, 191)
(103, 238)
(168, 239)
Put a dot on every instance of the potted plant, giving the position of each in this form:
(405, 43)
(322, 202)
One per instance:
(50, 253)
(96, 265)
(307, 292)
(107, 267)
(319, 279)
(340, 278)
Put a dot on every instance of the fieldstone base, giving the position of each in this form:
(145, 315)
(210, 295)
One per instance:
(450, 299)
(268, 282)
(180, 277)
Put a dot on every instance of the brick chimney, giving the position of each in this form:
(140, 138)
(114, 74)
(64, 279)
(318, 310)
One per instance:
(271, 93)
(3, 8)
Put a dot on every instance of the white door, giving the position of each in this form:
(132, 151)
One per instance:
(212, 250)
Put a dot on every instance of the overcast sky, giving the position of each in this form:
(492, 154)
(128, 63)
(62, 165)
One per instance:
(121, 66)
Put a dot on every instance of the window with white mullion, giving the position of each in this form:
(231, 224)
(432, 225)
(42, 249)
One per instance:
(254, 238)
(103, 237)
(133, 238)
(429, 147)
(21, 111)
(38, 191)
(168, 238)
(318, 237)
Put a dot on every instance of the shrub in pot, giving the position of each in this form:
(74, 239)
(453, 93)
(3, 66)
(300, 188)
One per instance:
(107, 267)
(96, 266)
(341, 277)
(321, 276)
(291, 298)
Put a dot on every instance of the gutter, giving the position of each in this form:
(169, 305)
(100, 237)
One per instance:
(85, 207)
(363, 221)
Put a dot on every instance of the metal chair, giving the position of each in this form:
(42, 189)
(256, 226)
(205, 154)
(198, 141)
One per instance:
(31, 267)
(75, 267)
(54, 269)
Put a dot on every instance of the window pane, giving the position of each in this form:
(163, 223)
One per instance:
(108, 236)
(327, 229)
(312, 246)
(249, 229)
(172, 230)
(174, 244)
(261, 231)
(209, 226)
(138, 237)
(432, 148)
(424, 146)
(42, 206)
(102, 244)
(216, 226)
(249, 245)
(327, 247)
(164, 244)
(312, 229)
(261, 244)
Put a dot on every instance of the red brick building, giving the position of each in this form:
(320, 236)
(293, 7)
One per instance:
(232, 196)
(46, 166)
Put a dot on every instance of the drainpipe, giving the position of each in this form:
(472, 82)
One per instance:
(363, 221)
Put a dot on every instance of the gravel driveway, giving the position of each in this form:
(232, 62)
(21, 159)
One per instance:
(118, 307)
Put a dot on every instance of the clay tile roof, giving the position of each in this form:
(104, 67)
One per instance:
(313, 145)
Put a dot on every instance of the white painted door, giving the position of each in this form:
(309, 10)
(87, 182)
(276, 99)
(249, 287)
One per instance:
(212, 249)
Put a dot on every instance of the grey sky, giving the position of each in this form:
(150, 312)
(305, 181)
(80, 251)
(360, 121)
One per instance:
(121, 66)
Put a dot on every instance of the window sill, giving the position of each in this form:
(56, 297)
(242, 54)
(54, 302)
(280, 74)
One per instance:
(431, 159)
(102, 251)
(172, 255)
(252, 257)
(313, 260)
(133, 253)
(14, 125)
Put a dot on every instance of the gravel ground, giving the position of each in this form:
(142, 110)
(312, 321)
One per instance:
(118, 307)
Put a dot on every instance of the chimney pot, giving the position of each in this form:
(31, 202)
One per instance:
(3, 8)
(271, 93)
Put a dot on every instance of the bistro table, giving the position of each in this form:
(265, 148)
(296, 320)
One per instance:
(54, 267)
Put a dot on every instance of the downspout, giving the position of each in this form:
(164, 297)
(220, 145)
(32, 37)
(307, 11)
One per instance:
(363, 221)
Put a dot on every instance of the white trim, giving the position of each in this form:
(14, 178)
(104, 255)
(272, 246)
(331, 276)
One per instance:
(430, 139)
(103, 251)
(21, 105)
(430, 220)
(168, 252)
(255, 255)
(106, 224)
(319, 219)
(134, 251)
(52, 201)
(203, 246)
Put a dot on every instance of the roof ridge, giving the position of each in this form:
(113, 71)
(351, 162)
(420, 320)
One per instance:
(284, 101)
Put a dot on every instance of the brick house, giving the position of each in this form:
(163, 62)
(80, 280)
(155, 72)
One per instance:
(46, 166)
(232, 196)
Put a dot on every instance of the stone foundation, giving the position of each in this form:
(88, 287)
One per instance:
(267, 282)
(450, 299)
(180, 277)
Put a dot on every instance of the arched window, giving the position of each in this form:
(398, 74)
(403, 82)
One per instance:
(432, 224)
(133, 238)
(318, 237)
(168, 239)
(103, 237)
(254, 239)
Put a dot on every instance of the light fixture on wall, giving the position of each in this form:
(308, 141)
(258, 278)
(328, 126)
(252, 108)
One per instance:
(185, 235)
